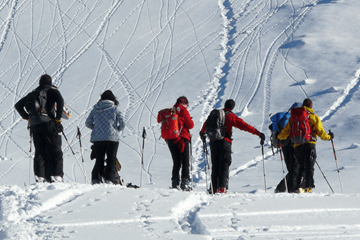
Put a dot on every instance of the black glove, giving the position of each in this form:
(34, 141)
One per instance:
(262, 137)
(331, 135)
(58, 126)
(203, 137)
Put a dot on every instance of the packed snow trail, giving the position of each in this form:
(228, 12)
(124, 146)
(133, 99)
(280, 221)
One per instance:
(72, 210)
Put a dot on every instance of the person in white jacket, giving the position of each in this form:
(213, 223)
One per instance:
(106, 122)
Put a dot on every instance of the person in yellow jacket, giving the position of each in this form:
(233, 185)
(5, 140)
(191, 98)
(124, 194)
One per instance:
(306, 153)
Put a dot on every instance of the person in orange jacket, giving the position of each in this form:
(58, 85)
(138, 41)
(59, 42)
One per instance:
(221, 149)
(180, 147)
(306, 153)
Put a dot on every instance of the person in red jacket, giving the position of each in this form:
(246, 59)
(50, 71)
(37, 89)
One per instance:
(221, 149)
(180, 147)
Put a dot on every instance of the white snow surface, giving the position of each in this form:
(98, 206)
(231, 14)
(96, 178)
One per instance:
(264, 54)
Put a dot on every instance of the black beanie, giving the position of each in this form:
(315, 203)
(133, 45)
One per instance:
(230, 104)
(45, 80)
(108, 95)
(308, 103)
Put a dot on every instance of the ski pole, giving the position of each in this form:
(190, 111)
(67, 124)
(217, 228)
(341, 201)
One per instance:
(282, 164)
(142, 154)
(62, 131)
(332, 143)
(262, 150)
(81, 152)
(206, 181)
(30, 152)
(272, 149)
(205, 166)
(324, 176)
(191, 166)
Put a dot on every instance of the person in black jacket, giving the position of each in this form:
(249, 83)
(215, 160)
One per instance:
(45, 129)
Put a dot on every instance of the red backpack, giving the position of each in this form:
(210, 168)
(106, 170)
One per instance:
(300, 130)
(169, 123)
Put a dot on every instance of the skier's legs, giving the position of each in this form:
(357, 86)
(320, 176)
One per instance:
(300, 157)
(185, 161)
(215, 164)
(310, 162)
(110, 170)
(292, 167)
(175, 154)
(225, 164)
(40, 152)
(98, 170)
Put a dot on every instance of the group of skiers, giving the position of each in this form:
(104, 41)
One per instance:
(43, 108)
(176, 125)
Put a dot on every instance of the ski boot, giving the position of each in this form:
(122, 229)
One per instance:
(185, 185)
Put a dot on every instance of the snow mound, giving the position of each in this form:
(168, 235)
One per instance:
(309, 81)
(354, 145)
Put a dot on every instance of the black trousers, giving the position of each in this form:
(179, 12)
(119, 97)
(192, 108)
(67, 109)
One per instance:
(109, 173)
(48, 160)
(292, 166)
(306, 156)
(221, 161)
(181, 160)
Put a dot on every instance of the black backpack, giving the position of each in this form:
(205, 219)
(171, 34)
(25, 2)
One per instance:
(215, 129)
(36, 101)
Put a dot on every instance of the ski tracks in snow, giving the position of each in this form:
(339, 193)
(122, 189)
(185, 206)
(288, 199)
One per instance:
(40, 210)
(242, 28)
(345, 98)
(21, 210)
(43, 211)
(246, 27)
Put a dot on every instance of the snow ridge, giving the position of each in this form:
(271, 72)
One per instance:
(219, 80)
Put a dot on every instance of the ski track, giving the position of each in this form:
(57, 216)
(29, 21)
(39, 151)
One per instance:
(266, 65)
(345, 98)
(25, 212)
(227, 57)
(69, 27)
(236, 43)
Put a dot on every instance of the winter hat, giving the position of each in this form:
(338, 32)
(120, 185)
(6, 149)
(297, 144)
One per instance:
(182, 100)
(108, 95)
(230, 104)
(307, 103)
(45, 80)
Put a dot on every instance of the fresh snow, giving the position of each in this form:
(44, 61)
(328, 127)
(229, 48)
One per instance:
(264, 54)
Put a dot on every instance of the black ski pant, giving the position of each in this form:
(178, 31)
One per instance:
(48, 159)
(221, 161)
(292, 166)
(181, 160)
(109, 173)
(306, 156)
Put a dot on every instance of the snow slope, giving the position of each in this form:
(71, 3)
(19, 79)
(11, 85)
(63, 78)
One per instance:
(264, 54)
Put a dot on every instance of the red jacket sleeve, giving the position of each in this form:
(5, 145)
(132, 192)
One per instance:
(187, 123)
(240, 124)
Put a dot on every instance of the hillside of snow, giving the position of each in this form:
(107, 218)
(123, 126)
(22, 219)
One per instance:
(264, 54)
